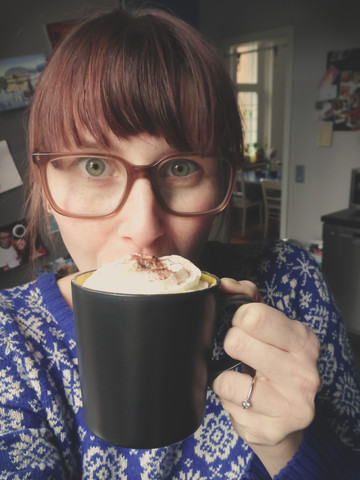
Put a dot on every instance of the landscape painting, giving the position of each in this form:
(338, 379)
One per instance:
(18, 78)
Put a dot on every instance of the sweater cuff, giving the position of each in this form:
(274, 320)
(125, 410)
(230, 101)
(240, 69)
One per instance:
(321, 456)
(256, 470)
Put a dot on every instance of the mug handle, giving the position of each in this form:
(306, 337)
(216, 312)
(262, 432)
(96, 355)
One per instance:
(226, 362)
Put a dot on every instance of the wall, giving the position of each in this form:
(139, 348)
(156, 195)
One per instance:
(319, 27)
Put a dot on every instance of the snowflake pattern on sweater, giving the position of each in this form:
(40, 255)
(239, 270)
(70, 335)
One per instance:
(42, 431)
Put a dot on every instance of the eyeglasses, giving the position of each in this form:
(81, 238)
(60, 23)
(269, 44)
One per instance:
(97, 185)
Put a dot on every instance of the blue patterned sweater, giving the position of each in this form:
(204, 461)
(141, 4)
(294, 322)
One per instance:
(42, 431)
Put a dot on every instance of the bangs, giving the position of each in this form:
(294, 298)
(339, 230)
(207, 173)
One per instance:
(126, 75)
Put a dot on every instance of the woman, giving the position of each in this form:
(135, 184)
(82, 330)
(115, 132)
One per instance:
(130, 89)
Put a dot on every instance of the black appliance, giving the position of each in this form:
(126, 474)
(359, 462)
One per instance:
(341, 256)
(355, 188)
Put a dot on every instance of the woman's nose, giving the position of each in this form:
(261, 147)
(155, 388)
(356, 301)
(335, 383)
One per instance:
(141, 217)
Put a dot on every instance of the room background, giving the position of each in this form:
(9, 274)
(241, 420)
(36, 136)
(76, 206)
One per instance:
(318, 27)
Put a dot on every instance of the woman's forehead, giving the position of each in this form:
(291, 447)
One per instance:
(120, 145)
(112, 143)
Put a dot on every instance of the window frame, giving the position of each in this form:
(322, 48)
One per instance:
(262, 87)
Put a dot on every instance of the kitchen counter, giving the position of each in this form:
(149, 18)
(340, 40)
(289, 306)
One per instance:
(349, 217)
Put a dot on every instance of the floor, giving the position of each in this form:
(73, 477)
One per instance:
(255, 233)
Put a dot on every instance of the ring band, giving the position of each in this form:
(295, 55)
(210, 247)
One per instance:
(246, 403)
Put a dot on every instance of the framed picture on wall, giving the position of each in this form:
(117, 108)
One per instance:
(18, 78)
(15, 249)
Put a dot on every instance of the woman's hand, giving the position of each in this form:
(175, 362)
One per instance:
(284, 354)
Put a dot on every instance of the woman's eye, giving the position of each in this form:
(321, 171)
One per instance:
(182, 168)
(93, 166)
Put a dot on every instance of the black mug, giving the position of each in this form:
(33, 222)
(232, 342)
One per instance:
(145, 361)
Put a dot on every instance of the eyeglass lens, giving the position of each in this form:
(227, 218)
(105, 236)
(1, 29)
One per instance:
(96, 186)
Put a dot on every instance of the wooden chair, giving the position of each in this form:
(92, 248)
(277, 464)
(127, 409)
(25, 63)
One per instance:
(239, 200)
(271, 190)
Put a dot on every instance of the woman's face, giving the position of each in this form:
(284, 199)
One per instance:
(141, 226)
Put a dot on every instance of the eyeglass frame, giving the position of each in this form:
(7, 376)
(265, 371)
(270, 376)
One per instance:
(41, 159)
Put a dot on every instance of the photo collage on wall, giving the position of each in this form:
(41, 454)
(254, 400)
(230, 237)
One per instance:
(339, 92)
(15, 249)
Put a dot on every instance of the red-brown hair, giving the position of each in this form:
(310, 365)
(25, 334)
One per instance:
(128, 73)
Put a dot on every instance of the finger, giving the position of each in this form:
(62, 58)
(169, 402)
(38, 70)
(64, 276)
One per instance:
(274, 328)
(265, 398)
(258, 429)
(262, 357)
(229, 285)
(233, 387)
(283, 369)
(255, 428)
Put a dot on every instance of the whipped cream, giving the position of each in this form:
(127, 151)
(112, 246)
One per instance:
(147, 274)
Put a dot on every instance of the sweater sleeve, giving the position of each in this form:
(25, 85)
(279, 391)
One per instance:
(29, 447)
(291, 281)
(322, 456)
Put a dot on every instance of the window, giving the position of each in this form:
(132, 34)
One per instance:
(252, 71)
(246, 73)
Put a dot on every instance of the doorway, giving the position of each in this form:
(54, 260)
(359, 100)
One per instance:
(260, 65)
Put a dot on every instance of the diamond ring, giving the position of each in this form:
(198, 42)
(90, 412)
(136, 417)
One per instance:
(246, 403)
